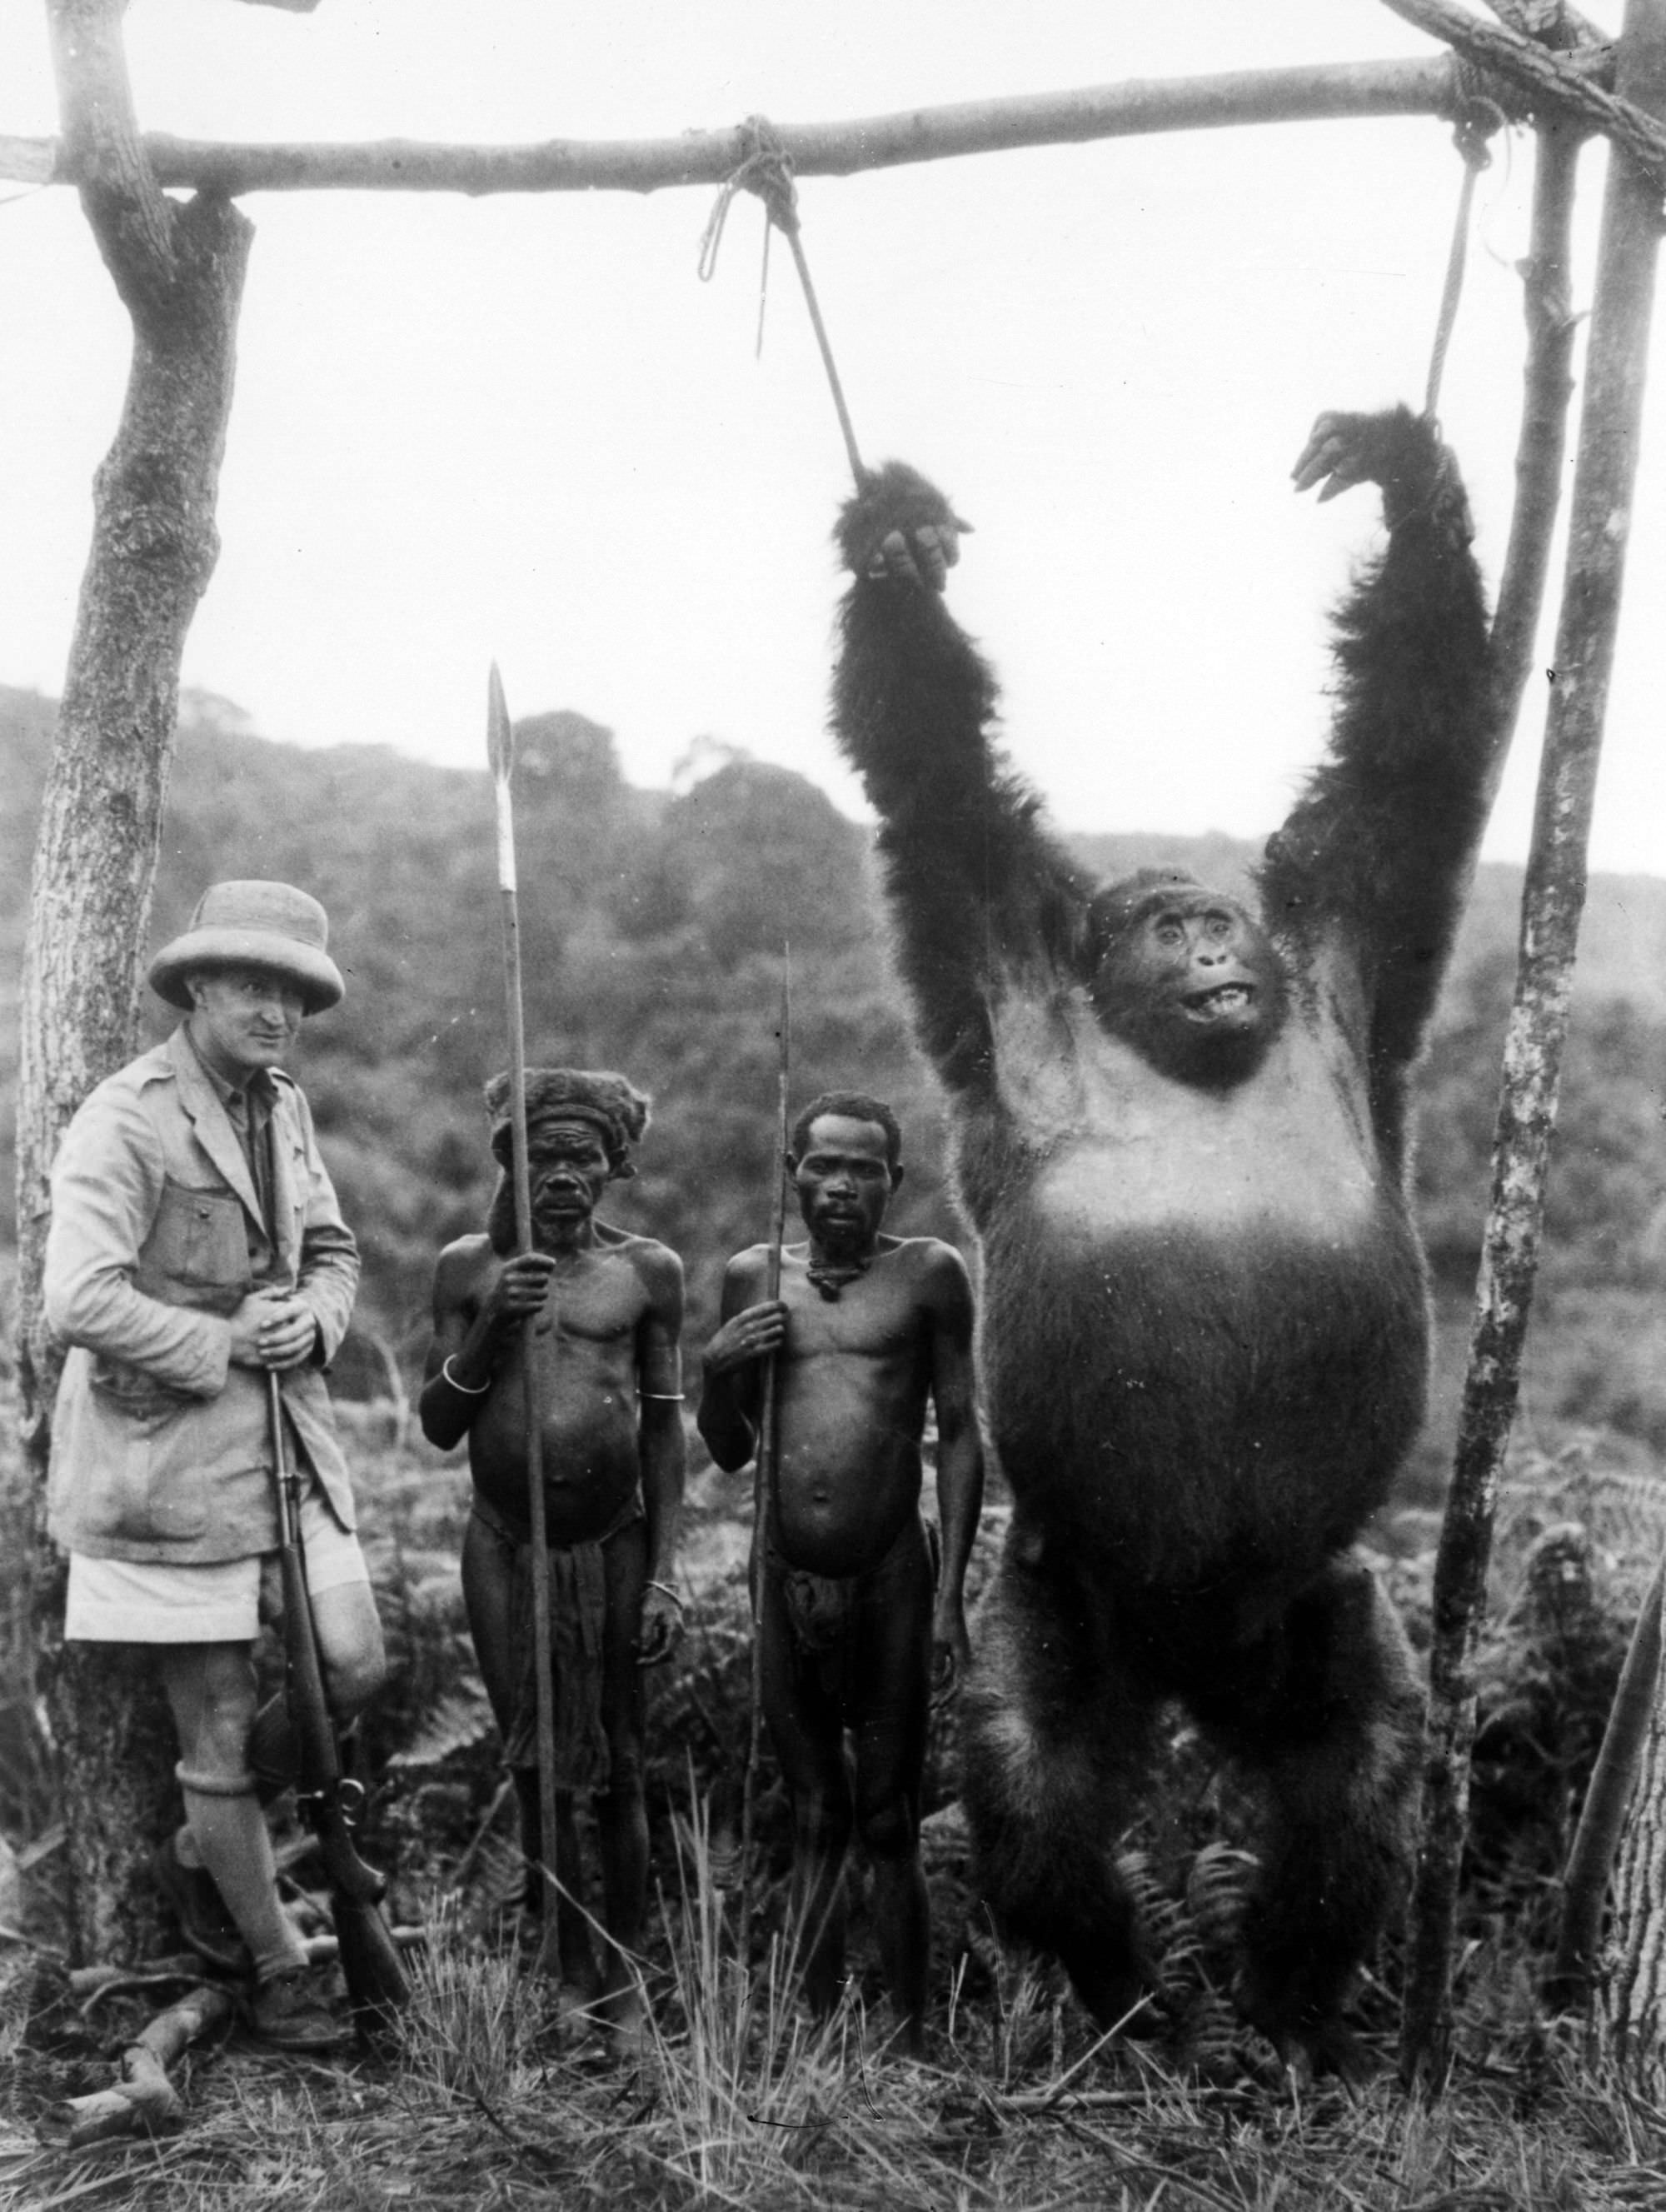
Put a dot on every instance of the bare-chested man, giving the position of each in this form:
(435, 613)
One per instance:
(607, 1312)
(869, 1329)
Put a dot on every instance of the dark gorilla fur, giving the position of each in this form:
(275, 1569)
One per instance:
(1204, 1334)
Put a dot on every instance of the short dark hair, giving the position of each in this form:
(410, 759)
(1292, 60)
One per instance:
(855, 1106)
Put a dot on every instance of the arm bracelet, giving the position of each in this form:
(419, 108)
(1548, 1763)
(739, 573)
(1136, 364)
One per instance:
(665, 1588)
(446, 1375)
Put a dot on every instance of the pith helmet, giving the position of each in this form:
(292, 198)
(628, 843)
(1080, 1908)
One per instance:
(253, 924)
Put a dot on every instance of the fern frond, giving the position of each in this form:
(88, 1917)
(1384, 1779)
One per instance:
(459, 1722)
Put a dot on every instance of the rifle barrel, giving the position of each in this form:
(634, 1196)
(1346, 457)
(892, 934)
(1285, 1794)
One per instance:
(288, 1518)
(376, 1981)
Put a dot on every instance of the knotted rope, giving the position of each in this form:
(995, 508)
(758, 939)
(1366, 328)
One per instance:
(767, 171)
(1480, 117)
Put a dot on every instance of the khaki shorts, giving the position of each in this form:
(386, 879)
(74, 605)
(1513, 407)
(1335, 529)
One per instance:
(145, 1602)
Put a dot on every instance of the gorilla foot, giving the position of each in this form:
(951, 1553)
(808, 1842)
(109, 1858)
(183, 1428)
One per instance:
(1119, 1996)
(1332, 2047)
(1304, 2030)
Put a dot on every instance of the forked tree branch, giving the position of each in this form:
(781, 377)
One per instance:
(1490, 1386)
(1552, 22)
(1551, 902)
(1545, 81)
(101, 149)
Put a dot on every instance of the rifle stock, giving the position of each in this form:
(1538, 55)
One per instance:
(331, 1799)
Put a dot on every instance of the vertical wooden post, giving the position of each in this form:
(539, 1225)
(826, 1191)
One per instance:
(1553, 900)
(1633, 1718)
(1542, 444)
(179, 271)
(1632, 1991)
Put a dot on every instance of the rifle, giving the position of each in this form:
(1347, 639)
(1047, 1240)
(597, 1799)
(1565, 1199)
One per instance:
(332, 1800)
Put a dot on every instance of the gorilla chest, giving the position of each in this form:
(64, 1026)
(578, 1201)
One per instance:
(1204, 1321)
(1276, 1159)
(1113, 1145)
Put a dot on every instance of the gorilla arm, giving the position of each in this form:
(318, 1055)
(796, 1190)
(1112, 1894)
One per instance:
(980, 892)
(1382, 842)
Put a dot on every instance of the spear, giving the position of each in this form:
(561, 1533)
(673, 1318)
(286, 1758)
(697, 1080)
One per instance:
(500, 751)
(768, 1447)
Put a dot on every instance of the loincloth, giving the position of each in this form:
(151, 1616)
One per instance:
(578, 1627)
(824, 1612)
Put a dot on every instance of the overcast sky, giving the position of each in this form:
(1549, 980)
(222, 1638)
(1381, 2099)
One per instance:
(521, 428)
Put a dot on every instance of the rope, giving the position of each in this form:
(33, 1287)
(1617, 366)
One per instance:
(767, 171)
(1482, 117)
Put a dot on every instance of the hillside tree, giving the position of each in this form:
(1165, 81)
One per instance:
(179, 269)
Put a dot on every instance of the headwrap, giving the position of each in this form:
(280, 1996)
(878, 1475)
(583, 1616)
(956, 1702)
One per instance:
(616, 1108)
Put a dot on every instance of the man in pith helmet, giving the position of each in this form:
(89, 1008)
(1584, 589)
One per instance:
(195, 1247)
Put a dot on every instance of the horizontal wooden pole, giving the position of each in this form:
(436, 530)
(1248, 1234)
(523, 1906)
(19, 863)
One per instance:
(1324, 92)
(29, 161)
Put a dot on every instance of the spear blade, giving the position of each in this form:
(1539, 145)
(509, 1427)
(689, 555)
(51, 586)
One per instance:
(499, 739)
(501, 754)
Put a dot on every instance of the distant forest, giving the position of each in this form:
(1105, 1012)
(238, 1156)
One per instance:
(653, 923)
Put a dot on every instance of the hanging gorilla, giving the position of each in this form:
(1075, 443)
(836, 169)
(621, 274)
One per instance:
(1181, 1136)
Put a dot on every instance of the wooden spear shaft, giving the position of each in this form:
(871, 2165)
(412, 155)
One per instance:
(500, 747)
(768, 1452)
(1553, 900)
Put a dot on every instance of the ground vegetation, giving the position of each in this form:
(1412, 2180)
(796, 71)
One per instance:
(655, 921)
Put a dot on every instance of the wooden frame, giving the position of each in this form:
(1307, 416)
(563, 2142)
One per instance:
(179, 269)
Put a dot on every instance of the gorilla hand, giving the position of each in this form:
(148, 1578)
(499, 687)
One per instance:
(1397, 449)
(927, 559)
(900, 529)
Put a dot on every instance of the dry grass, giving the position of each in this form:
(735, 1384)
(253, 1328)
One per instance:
(738, 2099)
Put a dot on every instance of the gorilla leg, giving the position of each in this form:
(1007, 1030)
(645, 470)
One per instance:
(1058, 1737)
(1332, 1725)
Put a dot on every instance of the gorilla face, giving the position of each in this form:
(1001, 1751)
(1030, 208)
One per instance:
(1187, 977)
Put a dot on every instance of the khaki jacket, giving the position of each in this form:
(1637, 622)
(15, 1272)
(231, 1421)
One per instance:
(161, 1447)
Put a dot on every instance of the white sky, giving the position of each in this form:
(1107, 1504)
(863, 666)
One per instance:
(521, 428)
